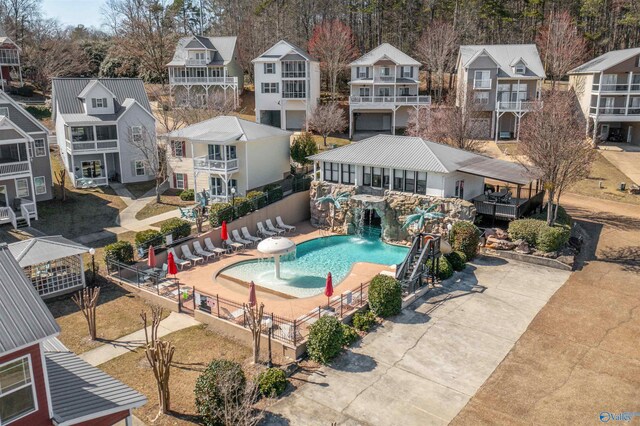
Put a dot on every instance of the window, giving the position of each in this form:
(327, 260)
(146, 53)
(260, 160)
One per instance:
(29, 150)
(293, 69)
(398, 180)
(409, 181)
(406, 71)
(365, 91)
(82, 134)
(99, 102)
(376, 181)
(106, 133)
(22, 188)
(232, 184)
(139, 168)
(136, 133)
(216, 186)
(331, 172)
(459, 189)
(366, 175)
(200, 56)
(91, 169)
(520, 69)
(269, 68)
(17, 391)
(270, 88)
(40, 185)
(4, 111)
(362, 72)
(180, 180)
(294, 89)
(385, 71)
(481, 98)
(404, 91)
(482, 80)
(348, 174)
(41, 149)
(177, 149)
(421, 183)
(385, 178)
(384, 91)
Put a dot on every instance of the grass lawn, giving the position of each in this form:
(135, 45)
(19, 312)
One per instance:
(140, 188)
(195, 348)
(169, 201)
(508, 148)
(603, 170)
(331, 140)
(118, 314)
(85, 211)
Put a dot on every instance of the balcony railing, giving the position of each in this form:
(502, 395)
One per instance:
(28, 210)
(111, 145)
(204, 80)
(7, 215)
(518, 106)
(19, 167)
(385, 79)
(397, 100)
(215, 165)
(9, 57)
(294, 74)
(620, 88)
(294, 95)
(633, 110)
(482, 84)
(196, 62)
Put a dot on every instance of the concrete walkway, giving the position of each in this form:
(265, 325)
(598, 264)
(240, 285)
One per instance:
(421, 367)
(113, 349)
(625, 157)
(127, 218)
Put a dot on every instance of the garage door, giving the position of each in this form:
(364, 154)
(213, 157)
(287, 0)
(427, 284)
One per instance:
(295, 120)
(372, 121)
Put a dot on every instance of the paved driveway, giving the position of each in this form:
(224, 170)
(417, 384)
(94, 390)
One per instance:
(422, 367)
(625, 157)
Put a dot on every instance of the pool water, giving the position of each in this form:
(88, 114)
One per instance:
(306, 275)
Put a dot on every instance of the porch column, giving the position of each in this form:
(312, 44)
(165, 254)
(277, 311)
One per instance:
(497, 127)
(340, 166)
(518, 192)
(350, 123)
(530, 188)
(628, 101)
(322, 171)
(358, 171)
(106, 169)
(195, 175)
(315, 169)
(72, 172)
(393, 122)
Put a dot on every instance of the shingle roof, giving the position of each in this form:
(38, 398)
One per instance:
(81, 391)
(603, 62)
(25, 317)
(295, 48)
(223, 47)
(506, 55)
(412, 153)
(226, 128)
(44, 249)
(388, 51)
(65, 92)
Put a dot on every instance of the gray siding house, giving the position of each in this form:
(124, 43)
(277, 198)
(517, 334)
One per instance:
(505, 82)
(25, 167)
(96, 122)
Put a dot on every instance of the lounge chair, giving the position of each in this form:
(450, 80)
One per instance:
(248, 236)
(201, 252)
(186, 252)
(211, 247)
(273, 228)
(239, 239)
(233, 245)
(283, 225)
(262, 231)
(179, 261)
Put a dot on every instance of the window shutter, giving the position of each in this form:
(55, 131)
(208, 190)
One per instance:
(183, 148)
(186, 185)
(104, 102)
(175, 181)
(93, 102)
(411, 72)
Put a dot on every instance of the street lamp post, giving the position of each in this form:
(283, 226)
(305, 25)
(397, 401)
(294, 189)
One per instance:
(92, 252)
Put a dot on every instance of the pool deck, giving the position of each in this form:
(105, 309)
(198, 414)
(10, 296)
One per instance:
(202, 277)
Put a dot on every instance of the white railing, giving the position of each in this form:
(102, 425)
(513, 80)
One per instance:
(8, 216)
(218, 165)
(482, 84)
(385, 78)
(111, 145)
(7, 169)
(194, 61)
(28, 210)
(620, 88)
(400, 100)
(85, 182)
(518, 106)
(617, 110)
(9, 57)
(204, 80)
(294, 95)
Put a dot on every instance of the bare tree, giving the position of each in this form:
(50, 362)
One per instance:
(20, 15)
(255, 325)
(326, 119)
(437, 50)
(87, 301)
(561, 46)
(333, 44)
(192, 109)
(159, 354)
(154, 155)
(555, 148)
(61, 179)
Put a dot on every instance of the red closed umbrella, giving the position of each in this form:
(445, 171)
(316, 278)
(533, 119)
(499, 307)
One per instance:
(253, 300)
(172, 269)
(151, 257)
(328, 288)
(223, 232)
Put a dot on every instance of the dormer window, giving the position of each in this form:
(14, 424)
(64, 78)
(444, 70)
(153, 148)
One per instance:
(200, 56)
(99, 102)
(520, 69)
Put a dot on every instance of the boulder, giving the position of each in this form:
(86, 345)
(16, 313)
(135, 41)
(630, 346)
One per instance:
(501, 234)
(496, 244)
(522, 247)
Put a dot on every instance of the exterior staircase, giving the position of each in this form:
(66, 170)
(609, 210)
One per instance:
(420, 262)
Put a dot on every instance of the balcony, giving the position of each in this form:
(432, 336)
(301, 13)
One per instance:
(482, 84)
(294, 74)
(9, 57)
(393, 100)
(92, 146)
(208, 164)
(14, 168)
(618, 111)
(204, 80)
(196, 62)
(518, 106)
(618, 88)
(385, 79)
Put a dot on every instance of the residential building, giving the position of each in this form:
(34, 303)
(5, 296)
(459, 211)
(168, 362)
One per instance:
(101, 125)
(505, 81)
(385, 84)
(203, 65)
(287, 86)
(41, 381)
(226, 154)
(10, 69)
(25, 166)
(608, 90)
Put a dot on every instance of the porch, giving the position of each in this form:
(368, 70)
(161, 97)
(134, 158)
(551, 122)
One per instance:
(500, 205)
(17, 201)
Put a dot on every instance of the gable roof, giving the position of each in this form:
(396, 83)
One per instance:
(269, 55)
(25, 318)
(25, 115)
(505, 56)
(7, 40)
(385, 51)
(226, 128)
(413, 153)
(65, 94)
(11, 131)
(223, 47)
(605, 61)
(44, 249)
(90, 86)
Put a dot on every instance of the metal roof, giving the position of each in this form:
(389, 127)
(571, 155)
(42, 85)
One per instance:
(505, 55)
(44, 249)
(293, 48)
(65, 93)
(223, 47)
(81, 392)
(25, 319)
(605, 61)
(226, 128)
(385, 51)
(412, 153)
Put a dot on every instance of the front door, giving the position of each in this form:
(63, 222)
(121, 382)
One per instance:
(604, 132)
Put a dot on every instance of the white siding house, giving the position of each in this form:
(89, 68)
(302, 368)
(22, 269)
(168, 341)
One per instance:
(95, 121)
(287, 88)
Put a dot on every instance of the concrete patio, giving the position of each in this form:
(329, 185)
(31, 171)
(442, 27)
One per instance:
(423, 366)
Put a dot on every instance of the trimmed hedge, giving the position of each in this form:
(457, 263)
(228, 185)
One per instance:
(179, 228)
(325, 339)
(210, 399)
(385, 296)
(220, 212)
(526, 229)
(243, 206)
(446, 270)
(258, 199)
(349, 335)
(187, 195)
(254, 194)
(457, 260)
(120, 251)
(465, 237)
(272, 382)
(552, 238)
(148, 237)
(363, 321)
(539, 235)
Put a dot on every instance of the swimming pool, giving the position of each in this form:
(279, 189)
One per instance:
(306, 275)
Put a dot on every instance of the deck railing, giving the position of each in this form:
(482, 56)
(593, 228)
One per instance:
(18, 167)
(7, 215)
(206, 163)
(204, 80)
(399, 100)
(508, 210)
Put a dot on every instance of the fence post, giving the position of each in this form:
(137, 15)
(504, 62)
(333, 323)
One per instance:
(218, 304)
(179, 298)
(194, 299)
(295, 323)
